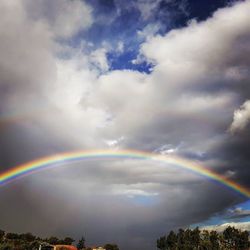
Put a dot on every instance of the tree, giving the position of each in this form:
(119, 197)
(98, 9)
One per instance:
(188, 243)
(171, 240)
(195, 238)
(12, 236)
(2, 233)
(230, 239)
(162, 243)
(53, 240)
(214, 240)
(35, 244)
(242, 241)
(27, 237)
(6, 246)
(111, 247)
(68, 241)
(231, 235)
(81, 244)
(181, 239)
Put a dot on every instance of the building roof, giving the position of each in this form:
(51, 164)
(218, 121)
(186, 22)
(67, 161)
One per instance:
(65, 247)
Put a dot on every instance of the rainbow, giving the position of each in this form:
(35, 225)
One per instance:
(75, 156)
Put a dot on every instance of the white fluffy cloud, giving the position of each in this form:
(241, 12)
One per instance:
(222, 227)
(120, 103)
(99, 59)
(200, 49)
(241, 118)
(171, 105)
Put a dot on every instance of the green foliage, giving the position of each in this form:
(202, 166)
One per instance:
(230, 239)
(81, 244)
(6, 246)
(12, 236)
(111, 247)
(2, 233)
(67, 241)
(214, 239)
(171, 240)
(162, 243)
(27, 237)
(181, 239)
(195, 237)
(27, 241)
(53, 240)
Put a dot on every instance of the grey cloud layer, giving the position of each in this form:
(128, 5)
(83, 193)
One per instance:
(186, 105)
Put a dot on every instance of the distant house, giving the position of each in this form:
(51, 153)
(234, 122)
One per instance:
(98, 248)
(56, 247)
(64, 247)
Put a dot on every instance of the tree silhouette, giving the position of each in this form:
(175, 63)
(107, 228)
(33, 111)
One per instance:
(2, 233)
(53, 240)
(111, 247)
(181, 239)
(162, 243)
(171, 241)
(214, 240)
(68, 241)
(81, 244)
(27, 237)
(194, 239)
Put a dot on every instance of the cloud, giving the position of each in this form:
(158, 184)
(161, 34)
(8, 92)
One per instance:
(131, 191)
(76, 101)
(28, 64)
(220, 228)
(149, 31)
(238, 213)
(99, 59)
(120, 191)
(162, 8)
(200, 45)
(64, 17)
(241, 118)
(147, 8)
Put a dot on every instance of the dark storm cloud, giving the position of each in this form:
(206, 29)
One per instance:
(238, 213)
(234, 154)
(91, 209)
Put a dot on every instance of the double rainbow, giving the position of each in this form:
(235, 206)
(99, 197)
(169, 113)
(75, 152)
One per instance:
(75, 156)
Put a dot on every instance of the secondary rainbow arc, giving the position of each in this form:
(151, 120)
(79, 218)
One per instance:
(67, 157)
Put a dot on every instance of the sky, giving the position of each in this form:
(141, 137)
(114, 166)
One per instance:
(163, 76)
